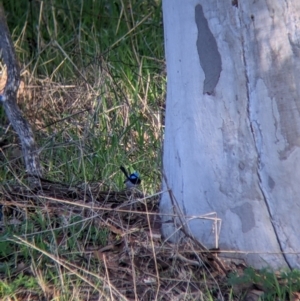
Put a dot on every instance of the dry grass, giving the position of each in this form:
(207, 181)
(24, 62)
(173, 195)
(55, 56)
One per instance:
(134, 263)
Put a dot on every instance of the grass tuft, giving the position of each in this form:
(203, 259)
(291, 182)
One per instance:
(93, 85)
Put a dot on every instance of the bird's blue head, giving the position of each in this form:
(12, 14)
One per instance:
(133, 180)
(134, 176)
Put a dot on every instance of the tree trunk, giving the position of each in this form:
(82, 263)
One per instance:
(9, 102)
(232, 139)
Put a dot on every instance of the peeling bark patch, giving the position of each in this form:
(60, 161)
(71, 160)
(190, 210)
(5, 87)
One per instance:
(235, 3)
(246, 216)
(241, 165)
(210, 58)
(271, 183)
(295, 46)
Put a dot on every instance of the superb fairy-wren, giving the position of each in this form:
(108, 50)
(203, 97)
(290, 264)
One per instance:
(133, 180)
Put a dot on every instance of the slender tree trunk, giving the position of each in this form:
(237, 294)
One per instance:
(232, 141)
(9, 101)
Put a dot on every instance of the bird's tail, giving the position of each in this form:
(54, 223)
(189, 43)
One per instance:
(124, 171)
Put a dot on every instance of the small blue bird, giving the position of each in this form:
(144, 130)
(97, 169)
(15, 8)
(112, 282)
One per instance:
(133, 180)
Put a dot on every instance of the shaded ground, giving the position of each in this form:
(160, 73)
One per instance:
(79, 242)
(134, 263)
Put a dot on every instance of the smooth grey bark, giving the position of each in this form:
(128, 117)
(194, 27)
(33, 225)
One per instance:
(9, 101)
(232, 125)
